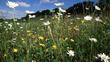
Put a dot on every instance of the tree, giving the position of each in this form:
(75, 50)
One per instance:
(45, 12)
(104, 4)
(82, 8)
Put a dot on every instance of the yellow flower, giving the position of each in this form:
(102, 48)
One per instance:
(35, 41)
(41, 38)
(43, 45)
(33, 36)
(29, 34)
(15, 50)
(28, 31)
(54, 47)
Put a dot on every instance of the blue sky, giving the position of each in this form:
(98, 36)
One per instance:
(31, 5)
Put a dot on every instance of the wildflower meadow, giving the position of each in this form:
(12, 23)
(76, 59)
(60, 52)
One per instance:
(59, 37)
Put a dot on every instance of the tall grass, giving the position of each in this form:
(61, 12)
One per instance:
(32, 41)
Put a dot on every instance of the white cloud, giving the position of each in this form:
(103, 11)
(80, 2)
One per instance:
(45, 1)
(53, 1)
(48, 1)
(24, 4)
(29, 12)
(12, 4)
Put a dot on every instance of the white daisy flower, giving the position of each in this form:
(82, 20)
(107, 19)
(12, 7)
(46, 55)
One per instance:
(10, 25)
(87, 8)
(71, 40)
(21, 27)
(98, 19)
(6, 22)
(46, 23)
(103, 57)
(32, 16)
(33, 61)
(70, 53)
(62, 10)
(68, 15)
(18, 23)
(42, 19)
(59, 14)
(12, 4)
(88, 17)
(97, 8)
(78, 18)
(93, 39)
(66, 39)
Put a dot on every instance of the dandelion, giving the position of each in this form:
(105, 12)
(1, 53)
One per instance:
(70, 53)
(58, 4)
(43, 45)
(62, 10)
(29, 34)
(103, 57)
(28, 31)
(87, 17)
(93, 40)
(41, 38)
(46, 23)
(15, 50)
(98, 19)
(97, 8)
(54, 47)
(12, 4)
(33, 36)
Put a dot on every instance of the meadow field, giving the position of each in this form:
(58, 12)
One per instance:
(55, 39)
